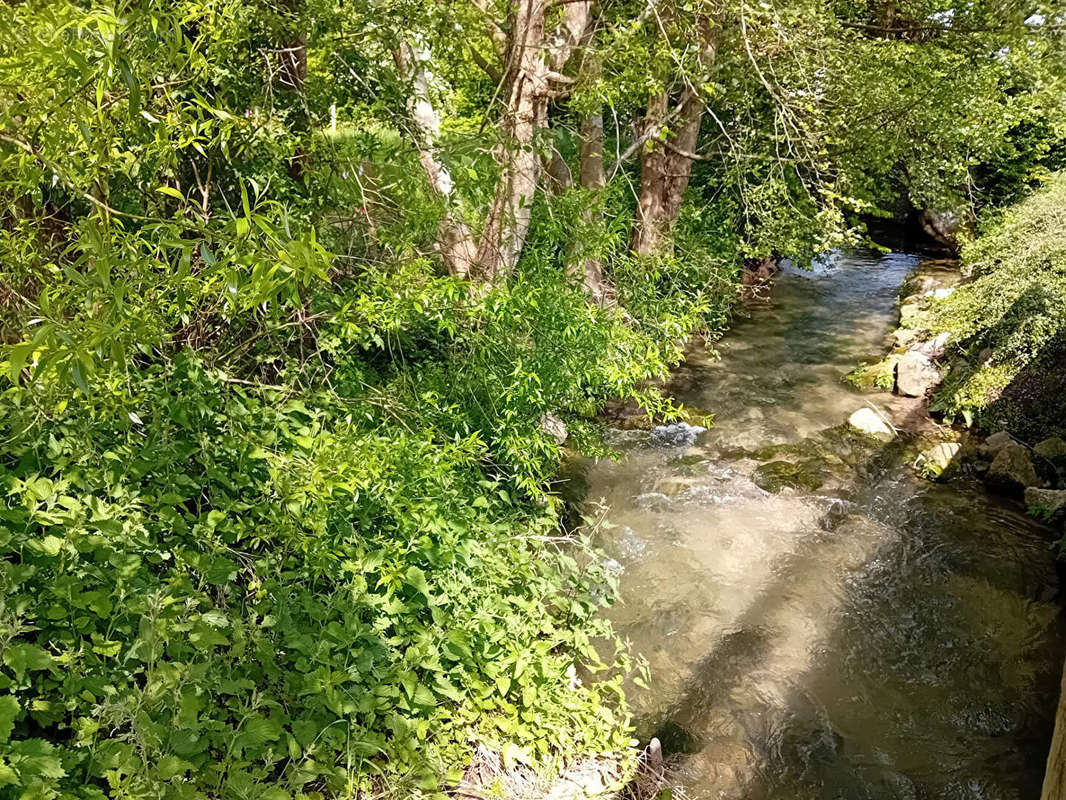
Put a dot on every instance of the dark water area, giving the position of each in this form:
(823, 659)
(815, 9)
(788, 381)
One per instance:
(818, 621)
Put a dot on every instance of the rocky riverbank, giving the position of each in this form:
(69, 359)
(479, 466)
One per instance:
(1033, 472)
(920, 359)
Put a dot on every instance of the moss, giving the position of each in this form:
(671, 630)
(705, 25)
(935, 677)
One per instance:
(777, 475)
(1009, 323)
(874, 376)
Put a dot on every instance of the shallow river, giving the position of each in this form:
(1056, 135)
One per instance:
(818, 621)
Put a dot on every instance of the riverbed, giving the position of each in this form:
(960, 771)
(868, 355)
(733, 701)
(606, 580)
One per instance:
(818, 621)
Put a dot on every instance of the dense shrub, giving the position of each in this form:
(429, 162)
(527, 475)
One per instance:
(1009, 322)
(244, 593)
(216, 586)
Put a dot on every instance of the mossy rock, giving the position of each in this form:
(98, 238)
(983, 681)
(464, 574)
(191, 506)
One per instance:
(792, 451)
(874, 376)
(777, 475)
(694, 415)
(939, 462)
(690, 465)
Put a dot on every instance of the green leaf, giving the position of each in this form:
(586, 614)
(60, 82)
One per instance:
(171, 766)
(260, 730)
(78, 373)
(170, 191)
(9, 709)
(416, 578)
(215, 618)
(132, 85)
(17, 358)
(23, 658)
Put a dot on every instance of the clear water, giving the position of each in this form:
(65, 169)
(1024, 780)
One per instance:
(861, 634)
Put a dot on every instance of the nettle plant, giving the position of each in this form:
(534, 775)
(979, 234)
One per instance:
(230, 593)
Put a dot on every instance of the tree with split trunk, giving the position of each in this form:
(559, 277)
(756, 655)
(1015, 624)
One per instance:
(671, 126)
(531, 56)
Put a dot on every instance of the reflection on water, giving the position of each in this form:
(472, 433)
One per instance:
(853, 632)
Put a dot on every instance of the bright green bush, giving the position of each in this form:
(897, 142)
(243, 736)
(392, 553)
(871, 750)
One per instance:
(212, 590)
(217, 588)
(1009, 323)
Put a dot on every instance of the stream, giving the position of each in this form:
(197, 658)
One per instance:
(818, 621)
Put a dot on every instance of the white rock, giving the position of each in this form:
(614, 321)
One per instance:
(938, 460)
(554, 427)
(869, 422)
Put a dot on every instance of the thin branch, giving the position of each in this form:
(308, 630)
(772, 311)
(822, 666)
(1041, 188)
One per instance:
(488, 68)
(647, 135)
(66, 181)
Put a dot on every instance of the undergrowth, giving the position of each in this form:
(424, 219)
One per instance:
(1008, 324)
(316, 574)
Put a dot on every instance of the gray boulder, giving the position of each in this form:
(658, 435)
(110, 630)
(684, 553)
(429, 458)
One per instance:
(1012, 470)
(1049, 504)
(1052, 449)
(945, 225)
(934, 348)
(993, 444)
(902, 337)
(909, 309)
(554, 427)
(916, 374)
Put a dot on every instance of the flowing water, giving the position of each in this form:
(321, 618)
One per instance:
(819, 622)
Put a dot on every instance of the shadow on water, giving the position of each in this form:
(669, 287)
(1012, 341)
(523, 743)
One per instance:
(876, 637)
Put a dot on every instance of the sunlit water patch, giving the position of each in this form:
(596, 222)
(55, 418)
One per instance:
(818, 622)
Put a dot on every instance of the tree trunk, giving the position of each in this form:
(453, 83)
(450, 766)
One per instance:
(594, 179)
(455, 243)
(526, 112)
(557, 172)
(667, 162)
(664, 175)
(534, 62)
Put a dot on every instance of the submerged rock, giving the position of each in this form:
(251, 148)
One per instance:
(1012, 469)
(939, 461)
(679, 434)
(1049, 504)
(673, 486)
(916, 374)
(652, 501)
(876, 375)
(869, 422)
(778, 475)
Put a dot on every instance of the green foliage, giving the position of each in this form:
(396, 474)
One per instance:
(1008, 324)
(275, 517)
(234, 589)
